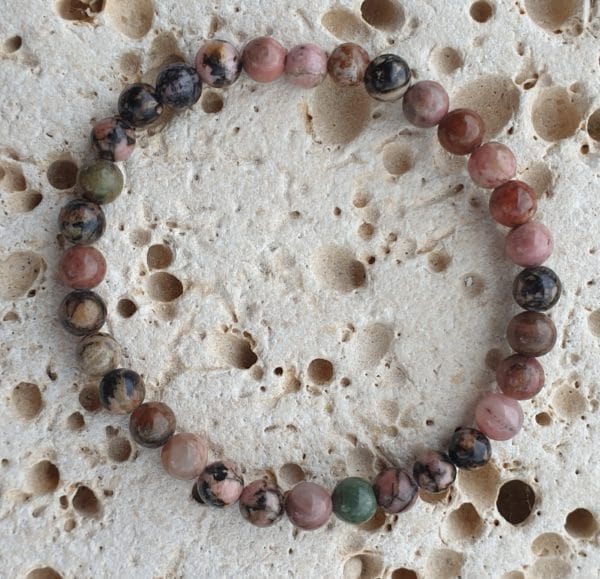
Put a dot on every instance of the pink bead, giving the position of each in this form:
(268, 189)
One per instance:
(82, 267)
(530, 244)
(184, 456)
(498, 416)
(491, 165)
(308, 506)
(425, 104)
(306, 65)
(520, 377)
(264, 59)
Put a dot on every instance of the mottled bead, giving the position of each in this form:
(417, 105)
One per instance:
(498, 417)
(531, 334)
(113, 139)
(491, 165)
(347, 64)
(98, 354)
(513, 203)
(308, 506)
(306, 65)
(218, 63)
(537, 289)
(151, 424)
(184, 456)
(82, 312)
(433, 471)
(122, 391)
(81, 222)
(178, 86)
(461, 131)
(395, 490)
(261, 503)
(469, 448)
(264, 59)
(100, 182)
(220, 484)
(425, 104)
(139, 105)
(81, 267)
(530, 244)
(387, 77)
(520, 377)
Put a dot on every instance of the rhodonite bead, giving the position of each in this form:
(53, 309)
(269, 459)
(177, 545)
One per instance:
(113, 139)
(433, 471)
(98, 354)
(461, 131)
(491, 165)
(425, 104)
(469, 448)
(308, 506)
(353, 500)
(151, 424)
(100, 182)
(82, 312)
(178, 86)
(82, 267)
(121, 391)
(306, 65)
(513, 203)
(347, 64)
(498, 417)
(81, 222)
(218, 63)
(264, 59)
(520, 377)
(531, 334)
(184, 456)
(261, 503)
(537, 289)
(530, 244)
(395, 490)
(139, 105)
(387, 78)
(220, 484)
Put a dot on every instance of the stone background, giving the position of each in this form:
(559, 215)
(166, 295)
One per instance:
(243, 232)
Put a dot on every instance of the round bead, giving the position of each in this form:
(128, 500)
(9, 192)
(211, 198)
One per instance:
(531, 334)
(306, 65)
(113, 139)
(81, 222)
(433, 471)
(121, 391)
(98, 354)
(152, 424)
(498, 417)
(347, 64)
(220, 484)
(520, 377)
(469, 448)
(82, 312)
(537, 289)
(461, 131)
(425, 104)
(308, 506)
(353, 500)
(184, 456)
(395, 490)
(82, 267)
(491, 165)
(100, 182)
(530, 244)
(218, 63)
(513, 203)
(264, 59)
(139, 105)
(387, 77)
(261, 503)
(178, 86)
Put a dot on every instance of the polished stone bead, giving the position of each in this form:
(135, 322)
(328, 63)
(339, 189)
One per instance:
(81, 222)
(387, 78)
(347, 64)
(537, 289)
(178, 86)
(498, 417)
(218, 63)
(184, 456)
(491, 165)
(433, 471)
(122, 391)
(531, 334)
(306, 65)
(220, 484)
(425, 104)
(264, 59)
(353, 500)
(113, 139)
(81, 267)
(261, 503)
(395, 490)
(98, 354)
(308, 506)
(461, 131)
(139, 105)
(152, 424)
(100, 182)
(469, 448)
(513, 203)
(520, 377)
(530, 244)
(82, 312)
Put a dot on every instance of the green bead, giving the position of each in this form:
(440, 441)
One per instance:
(354, 500)
(101, 182)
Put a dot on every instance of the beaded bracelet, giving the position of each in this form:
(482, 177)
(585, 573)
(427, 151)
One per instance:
(498, 416)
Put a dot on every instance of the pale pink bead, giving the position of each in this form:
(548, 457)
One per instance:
(306, 65)
(498, 416)
(530, 244)
(264, 59)
(184, 456)
(491, 165)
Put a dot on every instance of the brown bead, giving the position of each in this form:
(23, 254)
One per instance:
(308, 506)
(461, 131)
(513, 203)
(520, 377)
(82, 267)
(152, 424)
(531, 334)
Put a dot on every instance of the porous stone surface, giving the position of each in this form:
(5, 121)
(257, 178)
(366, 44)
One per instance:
(271, 226)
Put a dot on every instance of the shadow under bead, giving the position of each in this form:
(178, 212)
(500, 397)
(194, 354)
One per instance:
(433, 471)
(220, 484)
(537, 289)
(82, 222)
(387, 78)
(82, 312)
(151, 424)
(178, 86)
(261, 503)
(139, 105)
(469, 448)
(113, 139)
(121, 391)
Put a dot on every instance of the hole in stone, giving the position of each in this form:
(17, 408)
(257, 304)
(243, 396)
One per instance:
(551, 14)
(473, 285)
(554, 114)
(481, 11)
(336, 268)
(85, 502)
(291, 474)
(43, 573)
(404, 573)
(397, 158)
(382, 14)
(119, 449)
(12, 44)
(438, 261)
(549, 544)
(363, 566)
(581, 524)
(164, 287)
(12, 178)
(344, 25)
(446, 60)
(211, 102)
(543, 419)
(79, 10)
(126, 308)
(320, 371)
(89, 398)
(62, 174)
(132, 18)
(464, 523)
(76, 421)
(159, 256)
(593, 125)
(25, 202)
(43, 477)
(27, 400)
(231, 351)
(444, 563)
(18, 272)
(515, 501)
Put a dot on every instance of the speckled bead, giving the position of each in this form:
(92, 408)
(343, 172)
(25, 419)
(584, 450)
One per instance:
(469, 448)
(151, 424)
(433, 471)
(513, 203)
(218, 63)
(491, 165)
(184, 456)
(461, 131)
(82, 312)
(347, 64)
(306, 65)
(387, 78)
(261, 503)
(520, 377)
(220, 484)
(113, 139)
(100, 182)
(498, 417)
(121, 391)
(98, 354)
(395, 490)
(529, 245)
(425, 104)
(537, 289)
(308, 506)
(139, 105)
(81, 222)
(81, 267)
(353, 500)
(531, 334)
(264, 59)
(178, 86)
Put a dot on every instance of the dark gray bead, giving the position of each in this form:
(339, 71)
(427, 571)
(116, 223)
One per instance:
(537, 289)
(139, 105)
(81, 222)
(387, 77)
(469, 448)
(178, 86)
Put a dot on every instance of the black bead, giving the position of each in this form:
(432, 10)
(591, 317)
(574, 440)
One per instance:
(178, 86)
(81, 222)
(139, 105)
(469, 448)
(387, 77)
(537, 289)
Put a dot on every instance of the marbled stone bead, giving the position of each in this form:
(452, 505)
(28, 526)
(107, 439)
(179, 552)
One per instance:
(139, 105)
(121, 391)
(491, 165)
(531, 334)
(530, 244)
(220, 484)
(395, 490)
(178, 86)
(264, 59)
(537, 289)
(425, 104)
(353, 500)
(113, 139)
(498, 417)
(82, 312)
(513, 203)
(306, 65)
(184, 456)
(347, 64)
(261, 503)
(433, 471)
(218, 63)
(81, 267)
(98, 354)
(151, 424)
(461, 131)
(469, 448)
(308, 506)
(520, 377)
(81, 222)
(100, 182)
(387, 78)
